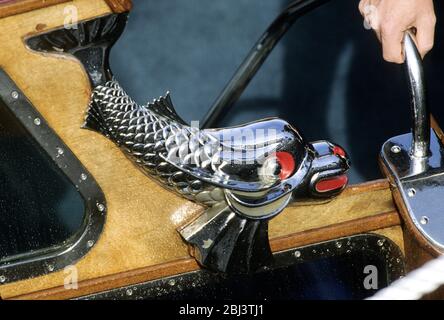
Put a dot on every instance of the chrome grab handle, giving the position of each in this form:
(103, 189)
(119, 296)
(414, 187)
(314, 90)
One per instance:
(420, 112)
(414, 162)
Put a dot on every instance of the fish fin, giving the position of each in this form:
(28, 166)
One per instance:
(90, 38)
(164, 106)
(226, 242)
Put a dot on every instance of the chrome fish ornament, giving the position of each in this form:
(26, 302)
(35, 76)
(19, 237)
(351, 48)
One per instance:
(245, 175)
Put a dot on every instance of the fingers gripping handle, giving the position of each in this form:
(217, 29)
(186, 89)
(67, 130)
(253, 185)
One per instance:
(420, 111)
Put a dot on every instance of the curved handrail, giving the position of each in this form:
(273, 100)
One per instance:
(419, 107)
(257, 56)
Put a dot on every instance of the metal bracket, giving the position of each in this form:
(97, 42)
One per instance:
(421, 184)
(415, 161)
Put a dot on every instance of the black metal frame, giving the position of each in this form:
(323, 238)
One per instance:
(55, 258)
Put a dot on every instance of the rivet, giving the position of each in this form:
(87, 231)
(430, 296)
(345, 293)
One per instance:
(424, 220)
(37, 121)
(396, 149)
(83, 176)
(297, 254)
(338, 244)
(380, 242)
(101, 207)
(2, 279)
(172, 282)
(90, 243)
(15, 94)
(129, 292)
(411, 192)
(51, 267)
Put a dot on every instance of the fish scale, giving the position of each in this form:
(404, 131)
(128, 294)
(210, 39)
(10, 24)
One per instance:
(144, 135)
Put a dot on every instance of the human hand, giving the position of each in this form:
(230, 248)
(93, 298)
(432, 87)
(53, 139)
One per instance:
(391, 18)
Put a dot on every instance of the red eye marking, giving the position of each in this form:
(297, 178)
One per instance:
(330, 184)
(338, 151)
(287, 163)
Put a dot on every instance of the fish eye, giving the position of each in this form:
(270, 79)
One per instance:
(286, 163)
(270, 170)
(280, 165)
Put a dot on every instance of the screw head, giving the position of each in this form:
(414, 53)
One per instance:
(172, 282)
(14, 94)
(37, 121)
(396, 149)
(424, 220)
(411, 192)
(101, 207)
(297, 254)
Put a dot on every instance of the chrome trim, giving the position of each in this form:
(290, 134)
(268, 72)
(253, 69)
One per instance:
(421, 184)
(415, 161)
(419, 108)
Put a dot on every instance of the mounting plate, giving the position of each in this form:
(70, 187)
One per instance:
(421, 184)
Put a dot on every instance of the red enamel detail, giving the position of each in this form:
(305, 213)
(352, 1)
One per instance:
(331, 184)
(338, 151)
(287, 163)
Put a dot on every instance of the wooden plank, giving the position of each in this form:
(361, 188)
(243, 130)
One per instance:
(338, 230)
(119, 6)
(13, 7)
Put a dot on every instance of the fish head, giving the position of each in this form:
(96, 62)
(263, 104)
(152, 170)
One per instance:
(261, 165)
(295, 170)
(260, 155)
